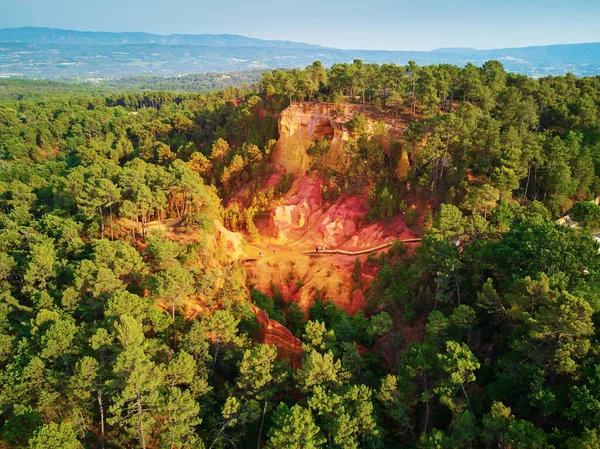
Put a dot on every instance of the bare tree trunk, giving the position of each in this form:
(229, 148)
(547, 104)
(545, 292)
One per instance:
(426, 406)
(219, 434)
(216, 356)
(112, 234)
(172, 324)
(262, 421)
(144, 226)
(139, 410)
(466, 396)
(549, 176)
(555, 196)
(101, 222)
(527, 184)
(457, 287)
(101, 406)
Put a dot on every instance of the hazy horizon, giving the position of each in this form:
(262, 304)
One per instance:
(351, 24)
(303, 42)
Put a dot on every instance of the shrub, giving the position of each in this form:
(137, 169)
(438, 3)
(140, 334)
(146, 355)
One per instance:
(384, 202)
(587, 213)
(232, 218)
(201, 221)
(284, 184)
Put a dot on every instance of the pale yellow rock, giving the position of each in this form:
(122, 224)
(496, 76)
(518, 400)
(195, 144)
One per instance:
(301, 123)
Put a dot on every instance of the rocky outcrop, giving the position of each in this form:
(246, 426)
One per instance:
(274, 333)
(300, 276)
(301, 123)
(302, 220)
(304, 217)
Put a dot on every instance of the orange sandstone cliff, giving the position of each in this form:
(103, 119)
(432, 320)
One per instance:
(303, 122)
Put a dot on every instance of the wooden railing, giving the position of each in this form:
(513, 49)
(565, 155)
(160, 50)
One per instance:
(361, 251)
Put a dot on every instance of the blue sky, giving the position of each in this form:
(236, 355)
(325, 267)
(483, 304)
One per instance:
(365, 24)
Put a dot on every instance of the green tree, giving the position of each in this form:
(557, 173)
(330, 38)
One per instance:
(55, 436)
(137, 382)
(174, 284)
(320, 370)
(258, 377)
(294, 428)
(459, 365)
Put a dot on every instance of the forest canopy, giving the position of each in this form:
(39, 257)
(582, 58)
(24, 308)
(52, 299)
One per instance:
(484, 336)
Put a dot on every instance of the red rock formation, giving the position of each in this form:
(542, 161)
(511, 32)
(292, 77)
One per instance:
(274, 333)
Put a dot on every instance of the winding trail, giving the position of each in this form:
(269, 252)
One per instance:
(336, 251)
(362, 251)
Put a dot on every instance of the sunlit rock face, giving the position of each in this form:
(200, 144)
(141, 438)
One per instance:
(302, 123)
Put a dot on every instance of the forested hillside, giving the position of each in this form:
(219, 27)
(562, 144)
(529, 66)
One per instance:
(128, 319)
(24, 89)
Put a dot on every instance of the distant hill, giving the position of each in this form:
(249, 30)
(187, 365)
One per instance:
(46, 53)
(30, 89)
(33, 35)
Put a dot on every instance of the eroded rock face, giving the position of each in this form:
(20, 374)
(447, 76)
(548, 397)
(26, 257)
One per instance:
(304, 217)
(303, 122)
(232, 240)
(303, 220)
(303, 212)
(274, 333)
(287, 221)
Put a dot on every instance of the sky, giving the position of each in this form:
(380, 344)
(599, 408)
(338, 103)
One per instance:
(350, 24)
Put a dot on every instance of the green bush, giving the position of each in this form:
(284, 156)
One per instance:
(384, 202)
(284, 184)
(201, 221)
(586, 213)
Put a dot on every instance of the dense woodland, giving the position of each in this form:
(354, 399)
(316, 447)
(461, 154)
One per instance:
(97, 352)
(26, 89)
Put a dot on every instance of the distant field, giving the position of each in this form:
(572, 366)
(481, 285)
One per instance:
(84, 62)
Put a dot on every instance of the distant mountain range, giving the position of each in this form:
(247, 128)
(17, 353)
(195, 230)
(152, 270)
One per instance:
(63, 54)
(32, 35)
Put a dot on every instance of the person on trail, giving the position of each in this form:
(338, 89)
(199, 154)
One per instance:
(317, 249)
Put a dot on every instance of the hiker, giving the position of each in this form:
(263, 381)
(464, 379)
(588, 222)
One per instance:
(323, 249)
(261, 254)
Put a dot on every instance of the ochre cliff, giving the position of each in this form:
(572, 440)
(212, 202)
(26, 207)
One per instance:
(303, 122)
(274, 333)
(303, 219)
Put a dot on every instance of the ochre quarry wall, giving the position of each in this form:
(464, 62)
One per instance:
(303, 122)
(299, 125)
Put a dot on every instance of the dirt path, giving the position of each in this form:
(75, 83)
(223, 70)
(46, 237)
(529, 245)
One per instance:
(362, 251)
(256, 251)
